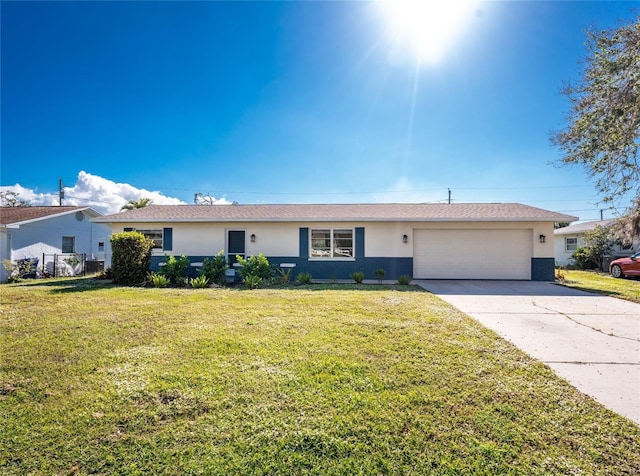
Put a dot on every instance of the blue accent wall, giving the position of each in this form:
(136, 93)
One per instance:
(321, 269)
(543, 269)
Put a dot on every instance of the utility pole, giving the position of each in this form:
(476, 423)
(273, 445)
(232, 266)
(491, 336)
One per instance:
(60, 191)
(601, 216)
(449, 195)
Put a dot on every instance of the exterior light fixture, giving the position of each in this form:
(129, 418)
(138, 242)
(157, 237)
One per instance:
(253, 237)
(405, 239)
(542, 238)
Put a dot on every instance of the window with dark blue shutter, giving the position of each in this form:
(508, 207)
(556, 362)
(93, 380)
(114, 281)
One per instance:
(304, 242)
(167, 241)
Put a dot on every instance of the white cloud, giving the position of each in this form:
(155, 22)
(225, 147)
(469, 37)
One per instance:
(404, 191)
(103, 195)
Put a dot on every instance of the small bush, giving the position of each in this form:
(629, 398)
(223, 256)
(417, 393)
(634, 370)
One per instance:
(404, 279)
(215, 269)
(175, 269)
(130, 258)
(158, 280)
(379, 274)
(584, 259)
(357, 276)
(104, 274)
(200, 282)
(285, 275)
(303, 278)
(257, 265)
(252, 281)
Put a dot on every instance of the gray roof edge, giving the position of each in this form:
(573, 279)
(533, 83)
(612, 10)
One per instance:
(55, 215)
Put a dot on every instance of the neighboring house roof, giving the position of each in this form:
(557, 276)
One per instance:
(580, 228)
(338, 212)
(19, 215)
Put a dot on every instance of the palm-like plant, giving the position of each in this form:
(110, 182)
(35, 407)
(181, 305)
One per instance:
(140, 203)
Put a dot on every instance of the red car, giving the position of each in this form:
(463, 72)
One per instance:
(624, 267)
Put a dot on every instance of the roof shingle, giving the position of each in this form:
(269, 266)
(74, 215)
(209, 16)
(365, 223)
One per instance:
(338, 212)
(10, 215)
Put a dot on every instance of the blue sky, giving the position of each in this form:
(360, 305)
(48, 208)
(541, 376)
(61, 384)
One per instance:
(290, 102)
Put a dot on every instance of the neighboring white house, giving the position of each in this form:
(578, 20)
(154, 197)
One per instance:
(570, 238)
(42, 232)
(425, 241)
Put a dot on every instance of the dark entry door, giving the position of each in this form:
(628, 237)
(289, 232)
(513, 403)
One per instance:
(236, 245)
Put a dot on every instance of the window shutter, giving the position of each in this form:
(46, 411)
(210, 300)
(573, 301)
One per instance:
(360, 242)
(304, 242)
(167, 239)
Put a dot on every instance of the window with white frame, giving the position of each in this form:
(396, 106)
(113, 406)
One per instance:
(153, 235)
(331, 243)
(68, 244)
(570, 244)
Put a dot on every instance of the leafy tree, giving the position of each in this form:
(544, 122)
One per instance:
(9, 198)
(597, 243)
(208, 199)
(627, 228)
(140, 203)
(603, 125)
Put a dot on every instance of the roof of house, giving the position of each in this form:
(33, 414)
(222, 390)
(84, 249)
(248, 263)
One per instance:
(579, 228)
(338, 212)
(17, 215)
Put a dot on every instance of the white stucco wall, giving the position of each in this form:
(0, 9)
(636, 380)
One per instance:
(282, 239)
(563, 257)
(32, 240)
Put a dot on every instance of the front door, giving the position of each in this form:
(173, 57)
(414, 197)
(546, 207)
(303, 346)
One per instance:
(235, 245)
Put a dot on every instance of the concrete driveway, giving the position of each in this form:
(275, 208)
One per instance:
(592, 341)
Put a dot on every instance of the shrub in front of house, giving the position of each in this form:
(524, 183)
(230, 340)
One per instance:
(303, 278)
(130, 258)
(158, 280)
(200, 282)
(215, 269)
(357, 276)
(252, 281)
(379, 274)
(175, 269)
(584, 259)
(404, 279)
(285, 275)
(257, 265)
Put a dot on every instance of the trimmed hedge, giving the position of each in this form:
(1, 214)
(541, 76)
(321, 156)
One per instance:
(130, 258)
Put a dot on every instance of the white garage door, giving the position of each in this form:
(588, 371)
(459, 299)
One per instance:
(472, 254)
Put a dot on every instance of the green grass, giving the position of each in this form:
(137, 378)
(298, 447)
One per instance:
(331, 379)
(603, 283)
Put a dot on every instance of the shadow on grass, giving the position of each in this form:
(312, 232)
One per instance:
(88, 283)
(348, 287)
(68, 285)
(588, 289)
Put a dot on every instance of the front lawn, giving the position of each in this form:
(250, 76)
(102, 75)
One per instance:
(603, 283)
(333, 379)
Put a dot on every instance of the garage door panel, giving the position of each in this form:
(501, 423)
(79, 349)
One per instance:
(472, 254)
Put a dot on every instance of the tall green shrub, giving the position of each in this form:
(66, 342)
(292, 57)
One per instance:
(130, 258)
(257, 265)
(175, 269)
(215, 269)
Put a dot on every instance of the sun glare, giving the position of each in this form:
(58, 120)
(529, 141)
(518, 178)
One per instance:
(425, 26)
